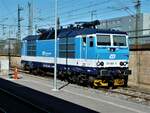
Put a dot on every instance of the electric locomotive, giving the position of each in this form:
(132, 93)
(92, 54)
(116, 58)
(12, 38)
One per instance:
(85, 55)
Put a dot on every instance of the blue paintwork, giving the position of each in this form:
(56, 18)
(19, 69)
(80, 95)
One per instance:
(45, 47)
(77, 48)
(88, 52)
(91, 51)
(120, 53)
(24, 48)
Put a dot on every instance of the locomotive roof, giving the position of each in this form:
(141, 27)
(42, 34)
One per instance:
(67, 32)
(86, 31)
(31, 37)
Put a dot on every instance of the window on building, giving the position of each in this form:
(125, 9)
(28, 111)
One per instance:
(118, 22)
(114, 22)
(129, 27)
(129, 20)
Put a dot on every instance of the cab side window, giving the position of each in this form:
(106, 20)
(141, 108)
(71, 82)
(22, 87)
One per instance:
(91, 41)
(84, 41)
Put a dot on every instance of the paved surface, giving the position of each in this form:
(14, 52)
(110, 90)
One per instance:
(16, 98)
(87, 97)
(9, 104)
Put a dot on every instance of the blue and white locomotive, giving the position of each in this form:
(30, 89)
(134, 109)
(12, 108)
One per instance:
(85, 55)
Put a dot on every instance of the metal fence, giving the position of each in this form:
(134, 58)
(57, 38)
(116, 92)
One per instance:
(140, 42)
(10, 47)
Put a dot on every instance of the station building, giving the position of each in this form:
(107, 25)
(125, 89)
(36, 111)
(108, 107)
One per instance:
(128, 24)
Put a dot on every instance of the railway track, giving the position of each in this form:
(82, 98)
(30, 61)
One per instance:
(130, 93)
(139, 96)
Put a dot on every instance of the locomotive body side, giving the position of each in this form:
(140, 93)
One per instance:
(99, 59)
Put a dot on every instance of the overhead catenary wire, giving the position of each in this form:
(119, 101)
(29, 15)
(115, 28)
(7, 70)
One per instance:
(72, 18)
(87, 13)
(95, 4)
(81, 9)
(10, 13)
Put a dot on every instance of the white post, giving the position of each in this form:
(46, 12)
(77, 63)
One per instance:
(55, 58)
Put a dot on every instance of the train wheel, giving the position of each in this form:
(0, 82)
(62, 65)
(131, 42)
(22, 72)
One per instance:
(35, 71)
(70, 79)
(42, 72)
(61, 76)
(24, 66)
(74, 79)
(81, 80)
(110, 83)
(30, 71)
(91, 81)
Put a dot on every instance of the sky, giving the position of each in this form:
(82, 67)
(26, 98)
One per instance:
(69, 11)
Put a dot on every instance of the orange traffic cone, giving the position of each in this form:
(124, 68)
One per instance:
(16, 73)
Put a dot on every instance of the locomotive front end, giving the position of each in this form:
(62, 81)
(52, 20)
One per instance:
(112, 60)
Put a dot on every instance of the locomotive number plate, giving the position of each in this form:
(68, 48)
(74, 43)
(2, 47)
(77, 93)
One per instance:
(111, 63)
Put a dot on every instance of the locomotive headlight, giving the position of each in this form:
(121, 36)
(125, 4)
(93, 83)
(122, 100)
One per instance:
(100, 63)
(123, 63)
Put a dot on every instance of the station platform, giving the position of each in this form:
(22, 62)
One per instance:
(86, 97)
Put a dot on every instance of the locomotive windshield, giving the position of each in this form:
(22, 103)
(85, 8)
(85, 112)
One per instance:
(103, 40)
(119, 40)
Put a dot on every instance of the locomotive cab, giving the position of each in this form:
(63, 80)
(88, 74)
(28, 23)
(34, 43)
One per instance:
(112, 50)
(112, 54)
